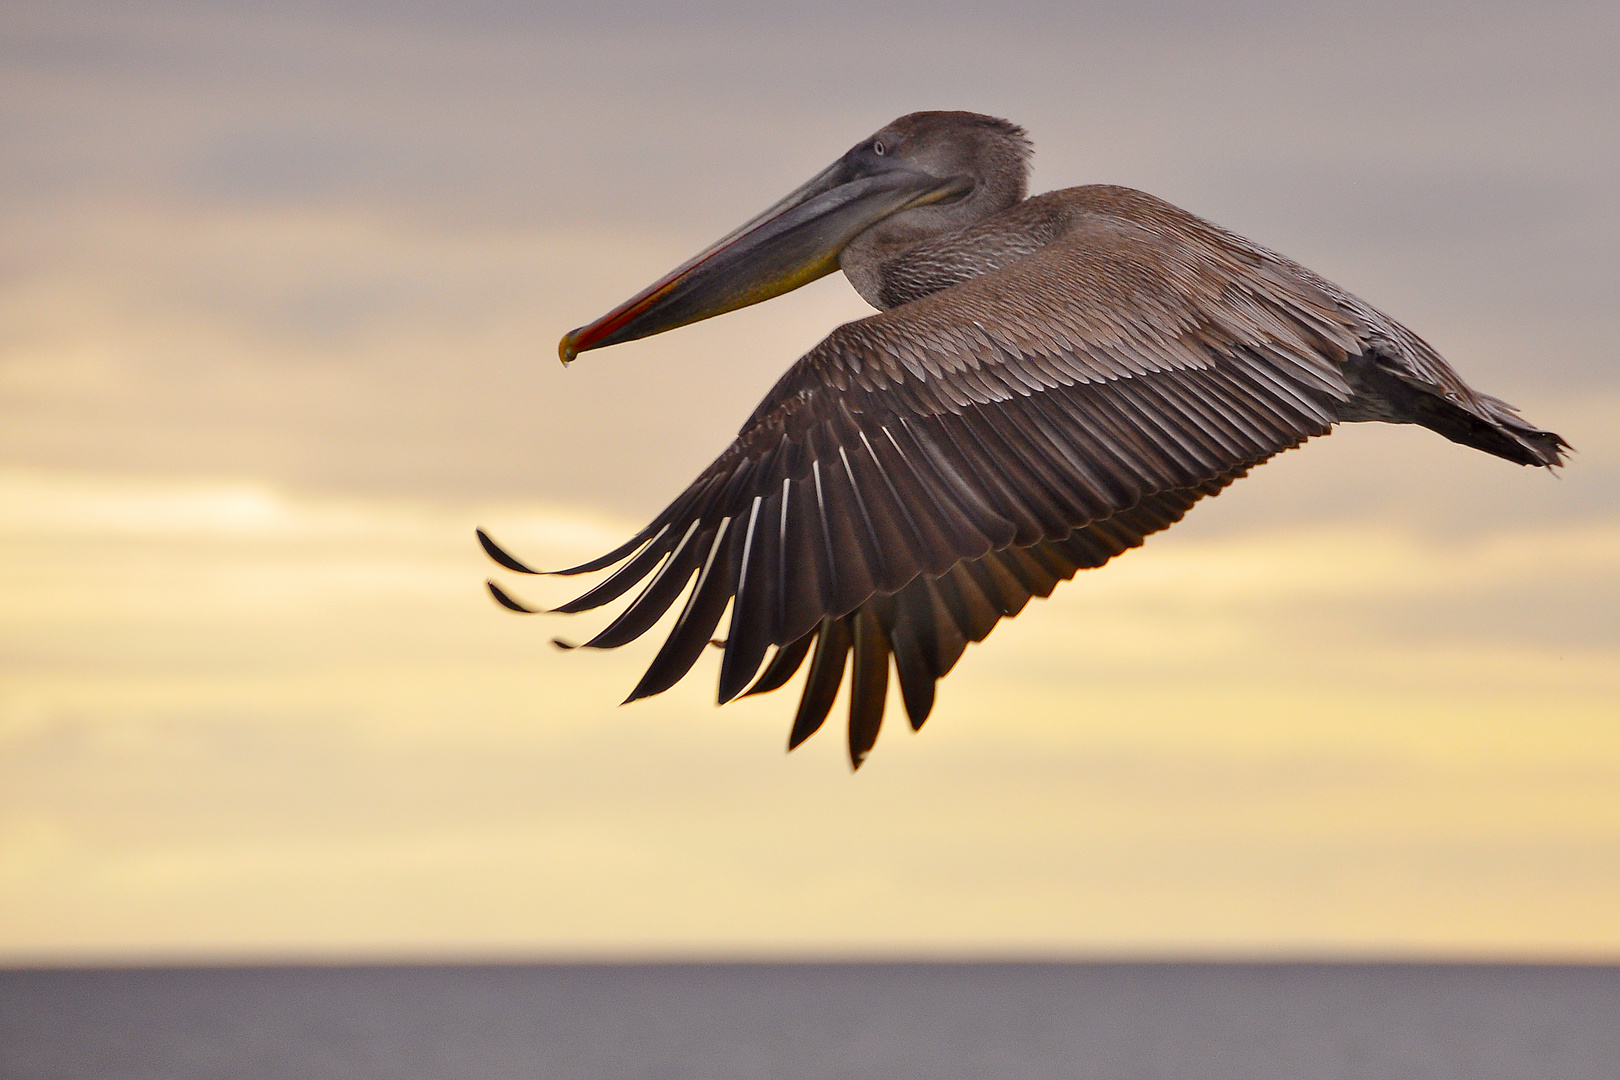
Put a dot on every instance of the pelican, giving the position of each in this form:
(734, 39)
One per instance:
(1048, 381)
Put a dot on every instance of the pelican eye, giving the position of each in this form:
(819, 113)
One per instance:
(879, 149)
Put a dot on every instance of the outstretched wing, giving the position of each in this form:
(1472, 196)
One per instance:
(922, 473)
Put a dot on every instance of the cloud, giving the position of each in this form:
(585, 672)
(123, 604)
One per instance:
(279, 297)
(334, 248)
(244, 722)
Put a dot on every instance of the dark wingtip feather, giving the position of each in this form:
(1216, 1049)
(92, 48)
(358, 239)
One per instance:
(783, 665)
(821, 685)
(507, 602)
(752, 614)
(602, 562)
(563, 644)
(624, 578)
(739, 665)
(918, 697)
(868, 685)
(500, 555)
(911, 666)
(691, 634)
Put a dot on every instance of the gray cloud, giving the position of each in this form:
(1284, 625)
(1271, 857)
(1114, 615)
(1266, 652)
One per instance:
(332, 245)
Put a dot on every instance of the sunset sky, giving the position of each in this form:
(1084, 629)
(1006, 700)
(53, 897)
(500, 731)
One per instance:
(280, 287)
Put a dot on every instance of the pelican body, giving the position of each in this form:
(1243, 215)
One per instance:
(1048, 381)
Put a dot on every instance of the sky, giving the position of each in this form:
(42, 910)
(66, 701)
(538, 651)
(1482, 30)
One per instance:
(280, 288)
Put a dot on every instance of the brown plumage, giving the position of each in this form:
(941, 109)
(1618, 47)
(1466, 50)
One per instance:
(1052, 380)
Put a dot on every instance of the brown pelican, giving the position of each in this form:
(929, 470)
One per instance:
(1049, 379)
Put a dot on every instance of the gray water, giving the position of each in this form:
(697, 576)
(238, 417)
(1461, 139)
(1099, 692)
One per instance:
(717, 1021)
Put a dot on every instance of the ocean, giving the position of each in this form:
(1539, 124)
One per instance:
(932, 1021)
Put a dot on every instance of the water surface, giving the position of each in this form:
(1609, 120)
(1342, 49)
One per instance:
(1126, 1021)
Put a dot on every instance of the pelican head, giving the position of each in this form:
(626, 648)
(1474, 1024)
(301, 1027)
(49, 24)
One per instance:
(923, 175)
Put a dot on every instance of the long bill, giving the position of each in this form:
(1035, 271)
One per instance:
(792, 244)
